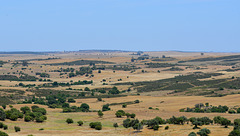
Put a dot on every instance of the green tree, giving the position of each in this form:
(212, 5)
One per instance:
(120, 113)
(25, 109)
(100, 113)
(138, 126)
(106, 107)
(4, 106)
(204, 132)
(84, 107)
(2, 115)
(69, 121)
(80, 123)
(40, 119)
(192, 134)
(17, 129)
(5, 127)
(124, 106)
(115, 125)
(3, 133)
(155, 127)
(86, 89)
(27, 118)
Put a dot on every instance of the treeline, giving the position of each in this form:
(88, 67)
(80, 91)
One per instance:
(160, 65)
(82, 62)
(43, 74)
(206, 108)
(23, 77)
(56, 84)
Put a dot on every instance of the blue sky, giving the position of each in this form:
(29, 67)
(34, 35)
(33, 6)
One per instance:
(148, 25)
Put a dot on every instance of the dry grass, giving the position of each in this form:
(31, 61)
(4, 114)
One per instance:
(168, 107)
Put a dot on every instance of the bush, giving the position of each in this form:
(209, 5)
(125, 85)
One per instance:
(155, 127)
(84, 107)
(42, 110)
(167, 127)
(136, 101)
(4, 106)
(5, 127)
(27, 118)
(71, 100)
(120, 113)
(100, 114)
(2, 115)
(132, 115)
(192, 134)
(14, 116)
(86, 89)
(34, 107)
(96, 125)
(41, 119)
(3, 133)
(106, 107)
(17, 129)
(124, 106)
(115, 125)
(99, 99)
(235, 132)
(231, 111)
(80, 123)
(69, 121)
(1, 125)
(204, 132)
(25, 109)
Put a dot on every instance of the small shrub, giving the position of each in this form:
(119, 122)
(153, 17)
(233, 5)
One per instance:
(167, 127)
(4, 106)
(80, 123)
(5, 127)
(204, 132)
(100, 113)
(41, 129)
(115, 125)
(231, 111)
(99, 99)
(17, 129)
(69, 121)
(27, 118)
(1, 125)
(98, 127)
(155, 127)
(124, 106)
(136, 101)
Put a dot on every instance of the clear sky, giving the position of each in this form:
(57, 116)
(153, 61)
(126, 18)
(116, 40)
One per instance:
(152, 25)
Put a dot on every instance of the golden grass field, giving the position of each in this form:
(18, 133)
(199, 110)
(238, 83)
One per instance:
(168, 105)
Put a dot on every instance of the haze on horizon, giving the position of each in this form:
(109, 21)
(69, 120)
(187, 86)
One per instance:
(152, 25)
